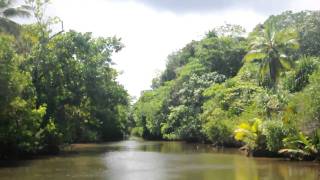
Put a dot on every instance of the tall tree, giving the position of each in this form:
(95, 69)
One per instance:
(269, 47)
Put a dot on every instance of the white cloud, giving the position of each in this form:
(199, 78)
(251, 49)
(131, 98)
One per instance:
(149, 35)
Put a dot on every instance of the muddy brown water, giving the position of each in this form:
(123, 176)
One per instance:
(146, 160)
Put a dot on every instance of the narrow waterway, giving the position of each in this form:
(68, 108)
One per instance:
(145, 160)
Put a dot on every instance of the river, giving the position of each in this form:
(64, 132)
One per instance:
(147, 160)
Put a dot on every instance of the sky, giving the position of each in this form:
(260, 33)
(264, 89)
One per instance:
(152, 29)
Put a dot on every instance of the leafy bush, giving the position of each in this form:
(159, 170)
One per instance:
(296, 80)
(272, 104)
(221, 54)
(137, 131)
(249, 133)
(274, 131)
(207, 92)
(305, 106)
(219, 128)
(20, 119)
(299, 147)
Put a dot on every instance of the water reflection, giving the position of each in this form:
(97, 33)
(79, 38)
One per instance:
(130, 160)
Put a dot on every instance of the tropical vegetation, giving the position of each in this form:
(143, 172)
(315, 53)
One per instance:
(56, 89)
(256, 90)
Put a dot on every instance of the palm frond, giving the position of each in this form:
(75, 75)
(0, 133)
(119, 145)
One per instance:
(264, 69)
(26, 7)
(292, 44)
(254, 55)
(16, 12)
(10, 27)
(263, 46)
(288, 38)
(299, 144)
(294, 152)
(270, 31)
(285, 62)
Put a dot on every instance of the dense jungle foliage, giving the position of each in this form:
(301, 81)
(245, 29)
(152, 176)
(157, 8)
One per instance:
(230, 88)
(55, 88)
(258, 90)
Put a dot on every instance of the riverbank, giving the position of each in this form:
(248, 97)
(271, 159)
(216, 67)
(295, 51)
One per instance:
(76, 148)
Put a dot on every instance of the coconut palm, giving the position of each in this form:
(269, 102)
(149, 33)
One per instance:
(8, 11)
(269, 47)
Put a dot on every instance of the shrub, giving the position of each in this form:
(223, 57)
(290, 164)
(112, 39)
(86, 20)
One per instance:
(274, 131)
(296, 80)
(299, 146)
(137, 131)
(249, 133)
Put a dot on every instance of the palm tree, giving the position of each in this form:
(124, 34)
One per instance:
(8, 11)
(269, 48)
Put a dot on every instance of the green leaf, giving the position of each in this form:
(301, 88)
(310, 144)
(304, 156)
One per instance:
(254, 55)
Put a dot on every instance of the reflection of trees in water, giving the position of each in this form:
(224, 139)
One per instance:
(280, 169)
(245, 168)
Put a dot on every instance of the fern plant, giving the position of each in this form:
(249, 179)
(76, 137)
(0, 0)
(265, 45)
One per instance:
(299, 147)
